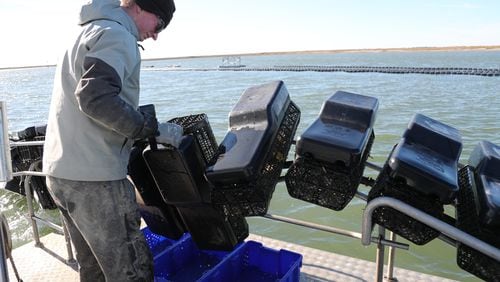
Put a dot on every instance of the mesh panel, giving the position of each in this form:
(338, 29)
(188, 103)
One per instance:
(22, 158)
(156, 243)
(468, 258)
(325, 184)
(199, 127)
(239, 226)
(401, 224)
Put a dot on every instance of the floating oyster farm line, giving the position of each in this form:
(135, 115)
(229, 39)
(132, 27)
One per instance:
(350, 69)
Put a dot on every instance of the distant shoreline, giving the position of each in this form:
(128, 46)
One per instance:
(334, 51)
(26, 67)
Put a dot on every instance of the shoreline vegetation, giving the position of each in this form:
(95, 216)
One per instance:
(333, 51)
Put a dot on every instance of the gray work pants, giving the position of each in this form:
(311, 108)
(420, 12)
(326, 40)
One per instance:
(104, 225)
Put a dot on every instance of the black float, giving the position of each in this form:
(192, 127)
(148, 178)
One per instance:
(261, 129)
(332, 152)
(421, 171)
(478, 209)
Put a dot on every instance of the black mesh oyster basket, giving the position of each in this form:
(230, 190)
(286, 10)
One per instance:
(468, 258)
(212, 230)
(328, 185)
(23, 157)
(198, 126)
(401, 224)
(252, 198)
(209, 227)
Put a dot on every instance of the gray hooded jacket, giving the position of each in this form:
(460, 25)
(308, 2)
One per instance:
(95, 99)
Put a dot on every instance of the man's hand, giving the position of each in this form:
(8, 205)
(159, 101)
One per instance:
(169, 133)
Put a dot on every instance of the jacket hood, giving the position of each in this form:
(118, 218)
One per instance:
(107, 10)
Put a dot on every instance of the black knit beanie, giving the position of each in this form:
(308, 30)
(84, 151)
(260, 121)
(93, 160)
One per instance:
(163, 8)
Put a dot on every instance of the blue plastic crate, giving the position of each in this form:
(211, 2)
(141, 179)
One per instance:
(158, 243)
(252, 261)
(181, 260)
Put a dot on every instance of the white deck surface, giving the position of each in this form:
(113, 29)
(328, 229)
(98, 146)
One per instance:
(49, 263)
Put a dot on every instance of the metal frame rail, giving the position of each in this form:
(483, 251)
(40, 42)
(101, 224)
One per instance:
(4, 276)
(379, 240)
(446, 229)
(450, 234)
(35, 219)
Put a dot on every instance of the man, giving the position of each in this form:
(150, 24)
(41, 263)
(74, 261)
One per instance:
(93, 121)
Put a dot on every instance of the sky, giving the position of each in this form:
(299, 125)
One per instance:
(36, 32)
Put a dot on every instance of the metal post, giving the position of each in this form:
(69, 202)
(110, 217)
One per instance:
(67, 239)
(4, 275)
(5, 157)
(379, 273)
(33, 218)
(391, 259)
(373, 166)
(31, 212)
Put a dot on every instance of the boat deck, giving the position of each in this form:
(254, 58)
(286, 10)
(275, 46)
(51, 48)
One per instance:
(48, 263)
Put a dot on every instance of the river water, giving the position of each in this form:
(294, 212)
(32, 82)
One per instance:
(468, 103)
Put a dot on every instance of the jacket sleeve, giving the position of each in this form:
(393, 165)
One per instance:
(98, 95)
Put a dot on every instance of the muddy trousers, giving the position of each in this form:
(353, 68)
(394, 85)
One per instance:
(104, 225)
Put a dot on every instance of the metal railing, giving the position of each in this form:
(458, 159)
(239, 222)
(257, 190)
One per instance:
(450, 234)
(446, 229)
(32, 216)
(4, 275)
(379, 240)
